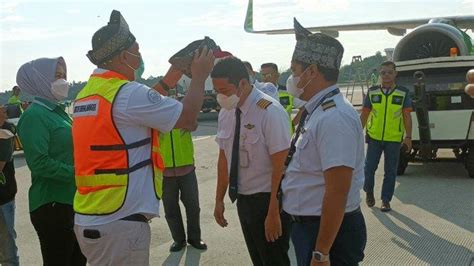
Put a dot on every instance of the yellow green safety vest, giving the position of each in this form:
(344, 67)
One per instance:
(14, 100)
(177, 148)
(385, 121)
(286, 100)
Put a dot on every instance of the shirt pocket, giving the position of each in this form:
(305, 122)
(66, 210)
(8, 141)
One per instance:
(301, 151)
(249, 143)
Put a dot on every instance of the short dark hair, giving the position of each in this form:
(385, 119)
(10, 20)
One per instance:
(248, 65)
(389, 63)
(15, 88)
(270, 65)
(328, 73)
(232, 69)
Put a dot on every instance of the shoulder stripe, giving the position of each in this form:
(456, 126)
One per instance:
(328, 105)
(264, 103)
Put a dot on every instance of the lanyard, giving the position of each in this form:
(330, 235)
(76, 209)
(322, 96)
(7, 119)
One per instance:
(303, 121)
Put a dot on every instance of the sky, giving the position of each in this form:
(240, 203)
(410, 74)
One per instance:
(31, 29)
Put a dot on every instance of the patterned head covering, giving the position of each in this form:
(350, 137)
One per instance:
(317, 48)
(111, 39)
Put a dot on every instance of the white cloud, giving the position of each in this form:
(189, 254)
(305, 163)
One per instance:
(37, 33)
(320, 6)
(11, 18)
(8, 7)
(73, 11)
(27, 34)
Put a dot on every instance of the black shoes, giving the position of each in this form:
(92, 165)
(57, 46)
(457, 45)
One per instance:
(385, 207)
(177, 246)
(198, 244)
(370, 199)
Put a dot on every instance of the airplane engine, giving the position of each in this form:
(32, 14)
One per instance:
(434, 39)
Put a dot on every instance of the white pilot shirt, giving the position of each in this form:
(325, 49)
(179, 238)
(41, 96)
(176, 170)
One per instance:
(330, 138)
(263, 132)
(136, 109)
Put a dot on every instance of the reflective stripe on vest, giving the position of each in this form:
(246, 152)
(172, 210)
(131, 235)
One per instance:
(385, 121)
(100, 153)
(177, 148)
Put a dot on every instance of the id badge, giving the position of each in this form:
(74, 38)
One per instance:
(244, 158)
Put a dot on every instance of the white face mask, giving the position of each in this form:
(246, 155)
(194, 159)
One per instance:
(292, 85)
(60, 89)
(228, 102)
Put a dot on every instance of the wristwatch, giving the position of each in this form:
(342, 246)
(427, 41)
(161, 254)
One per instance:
(320, 257)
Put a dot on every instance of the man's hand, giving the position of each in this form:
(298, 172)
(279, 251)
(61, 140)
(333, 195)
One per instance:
(315, 263)
(273, 229)
(202, 64)
(219, 214)
(172, 76)
(407, 142)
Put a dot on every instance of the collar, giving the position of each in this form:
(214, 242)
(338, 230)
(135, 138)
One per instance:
(251, 99)
(311, 104)
(46, 103)
(391, 88)
(107, 74)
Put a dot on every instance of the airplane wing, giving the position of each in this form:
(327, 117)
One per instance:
(397, 28)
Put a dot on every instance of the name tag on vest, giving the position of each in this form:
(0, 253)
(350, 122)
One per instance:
(398, 100)
(86, 108)
(376, 98)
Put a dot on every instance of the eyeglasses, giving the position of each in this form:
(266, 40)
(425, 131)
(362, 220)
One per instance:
(268, 75)
(386, 72)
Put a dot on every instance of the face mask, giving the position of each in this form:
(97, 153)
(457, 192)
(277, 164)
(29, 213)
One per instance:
(138, 72)
(292, 88)
(228, 102)
(292, 85)
(60, 89)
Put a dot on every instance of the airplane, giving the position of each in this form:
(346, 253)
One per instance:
(432, 61)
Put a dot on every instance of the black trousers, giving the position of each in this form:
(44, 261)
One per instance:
(186, 188)
(347, 249)
(54, 224)
(252, 210)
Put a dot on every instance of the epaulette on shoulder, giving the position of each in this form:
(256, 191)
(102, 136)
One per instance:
(263, 103)
(328, 105)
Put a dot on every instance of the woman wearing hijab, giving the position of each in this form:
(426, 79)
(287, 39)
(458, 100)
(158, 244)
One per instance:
(45, 132)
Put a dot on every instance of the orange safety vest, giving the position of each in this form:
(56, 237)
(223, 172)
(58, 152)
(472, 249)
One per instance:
(100, 153)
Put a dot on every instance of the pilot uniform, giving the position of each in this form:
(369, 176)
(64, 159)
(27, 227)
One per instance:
(329, 135)
(263, 131)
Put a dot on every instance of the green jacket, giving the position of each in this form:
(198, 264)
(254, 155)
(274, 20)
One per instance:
(45, 132)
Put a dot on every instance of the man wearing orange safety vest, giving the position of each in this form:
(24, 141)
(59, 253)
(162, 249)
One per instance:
(118, 167)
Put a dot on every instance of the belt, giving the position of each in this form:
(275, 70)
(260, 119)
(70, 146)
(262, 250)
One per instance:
(312, 219)
(254, 196)
(135, 218)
